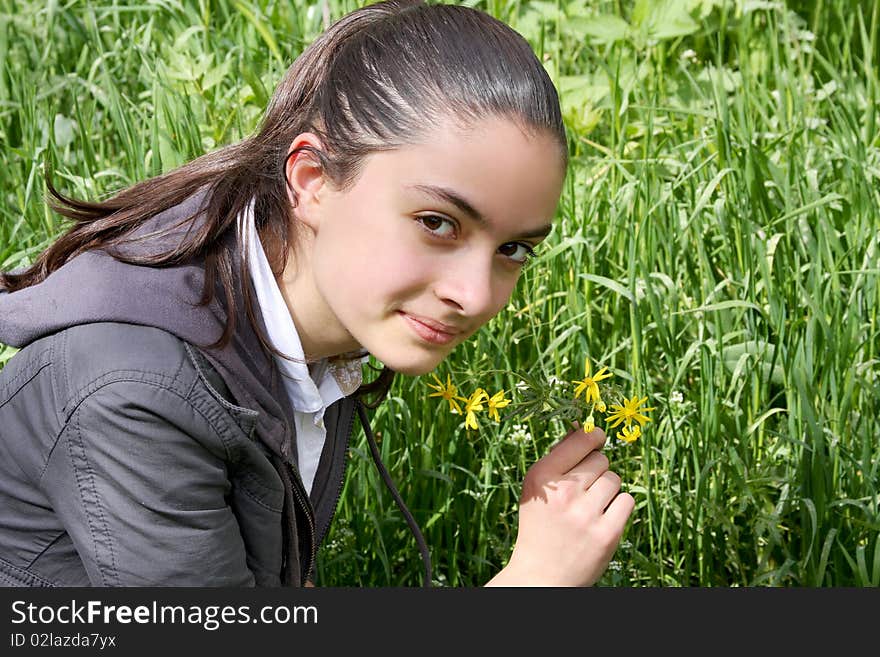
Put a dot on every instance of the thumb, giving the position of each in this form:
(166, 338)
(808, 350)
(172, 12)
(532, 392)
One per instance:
(572, 449)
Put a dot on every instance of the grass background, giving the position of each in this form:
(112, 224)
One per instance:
(716, 248)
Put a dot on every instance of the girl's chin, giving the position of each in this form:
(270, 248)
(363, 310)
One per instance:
(414, 371)
(412, 366)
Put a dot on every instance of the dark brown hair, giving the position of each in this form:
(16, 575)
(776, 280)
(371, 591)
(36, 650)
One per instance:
(375, 80)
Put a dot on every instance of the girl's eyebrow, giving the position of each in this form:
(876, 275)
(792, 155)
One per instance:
(456, 199)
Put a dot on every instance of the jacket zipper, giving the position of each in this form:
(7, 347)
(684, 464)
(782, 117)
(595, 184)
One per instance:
(307, 507)
(341, 480)
(304, 502)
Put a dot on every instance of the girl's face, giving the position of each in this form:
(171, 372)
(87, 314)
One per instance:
(425, 247)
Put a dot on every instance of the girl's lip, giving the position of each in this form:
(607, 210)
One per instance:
(429, 329)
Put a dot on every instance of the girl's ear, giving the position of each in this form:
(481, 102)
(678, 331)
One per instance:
(305, 179)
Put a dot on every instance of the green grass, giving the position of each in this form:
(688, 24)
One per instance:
(716, 247)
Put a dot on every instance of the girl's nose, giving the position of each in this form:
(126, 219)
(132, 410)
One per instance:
(466, 285)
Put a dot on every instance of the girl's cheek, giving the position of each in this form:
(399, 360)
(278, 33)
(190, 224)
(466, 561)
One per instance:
(502, 296)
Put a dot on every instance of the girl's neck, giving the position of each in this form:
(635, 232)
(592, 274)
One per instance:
(319, 330)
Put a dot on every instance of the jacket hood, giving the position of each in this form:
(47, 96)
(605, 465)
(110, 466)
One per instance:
(95, 287)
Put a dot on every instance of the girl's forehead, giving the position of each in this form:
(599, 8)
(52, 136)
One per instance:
(492, 169)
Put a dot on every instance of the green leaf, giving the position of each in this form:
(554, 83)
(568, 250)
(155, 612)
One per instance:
(670, 19)
(260, 26)
(6, 352)
(64, 130)
(761, 354)
(261, 95)
(612, 285)
(722, 305)
(215, 75)
(754, 425)
(603, 28)
(546, 10)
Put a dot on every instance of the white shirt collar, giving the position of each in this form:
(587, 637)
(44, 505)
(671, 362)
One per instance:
(331, 380)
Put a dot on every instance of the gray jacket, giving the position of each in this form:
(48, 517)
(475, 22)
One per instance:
(133, 455)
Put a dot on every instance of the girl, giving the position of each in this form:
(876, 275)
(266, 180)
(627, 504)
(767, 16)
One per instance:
(191, 349)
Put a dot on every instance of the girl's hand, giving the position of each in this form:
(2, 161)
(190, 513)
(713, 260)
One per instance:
(571, 517)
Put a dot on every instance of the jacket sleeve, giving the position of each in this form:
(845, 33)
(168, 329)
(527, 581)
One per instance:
(139, 480)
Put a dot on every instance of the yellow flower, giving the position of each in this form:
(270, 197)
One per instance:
(589, 384)
(600, 406)
(448, 392)
(495, 402)
(589, 424)
(628, 412)
(473, 404)
(628, 434)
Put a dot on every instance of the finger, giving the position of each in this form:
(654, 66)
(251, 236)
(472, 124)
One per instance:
(618, 512)
(603, 490)
(590, 468)
(572, 449)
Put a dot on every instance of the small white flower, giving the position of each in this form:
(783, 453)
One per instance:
(805, 35)
(826, 90)
(676, 397)
(519, 435)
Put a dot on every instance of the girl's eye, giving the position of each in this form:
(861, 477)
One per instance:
(438, 226)
(517, 251)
